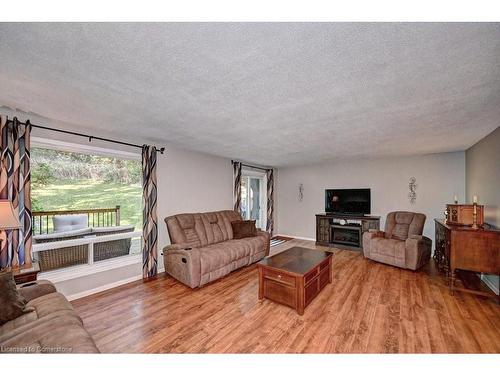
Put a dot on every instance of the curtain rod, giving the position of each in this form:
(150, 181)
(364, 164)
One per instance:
(252, 166)
(89, 137)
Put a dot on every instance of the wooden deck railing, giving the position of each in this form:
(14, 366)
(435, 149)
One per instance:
(97, 217)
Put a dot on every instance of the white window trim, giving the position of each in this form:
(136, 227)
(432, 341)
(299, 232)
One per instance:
(84, 241)
(83, 149)
(90, 268)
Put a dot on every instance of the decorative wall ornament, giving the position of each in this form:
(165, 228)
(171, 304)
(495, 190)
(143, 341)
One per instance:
(412, 195)
(301, 192)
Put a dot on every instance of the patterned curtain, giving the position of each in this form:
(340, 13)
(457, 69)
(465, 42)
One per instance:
(149, 218)
(270, 201)
(15, 185)
(237, 186)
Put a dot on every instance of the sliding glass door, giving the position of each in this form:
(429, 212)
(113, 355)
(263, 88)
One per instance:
(253, 198)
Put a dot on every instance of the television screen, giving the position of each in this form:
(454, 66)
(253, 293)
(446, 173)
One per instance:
(348, 201)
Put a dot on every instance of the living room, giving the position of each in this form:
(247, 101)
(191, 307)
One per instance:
(250, 188)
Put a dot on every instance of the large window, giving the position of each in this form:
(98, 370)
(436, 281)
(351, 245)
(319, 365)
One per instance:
(87, 206)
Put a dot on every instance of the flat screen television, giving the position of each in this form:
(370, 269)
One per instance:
(348, 201)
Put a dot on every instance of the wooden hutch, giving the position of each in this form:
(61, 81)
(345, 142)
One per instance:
(461, 250)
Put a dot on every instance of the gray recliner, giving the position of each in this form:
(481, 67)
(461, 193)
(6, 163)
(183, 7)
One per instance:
(401, 244)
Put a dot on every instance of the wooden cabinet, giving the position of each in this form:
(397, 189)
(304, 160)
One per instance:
(461, 248)
(327, 223)
(322, 230)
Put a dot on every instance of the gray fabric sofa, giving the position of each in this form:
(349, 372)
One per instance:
(52, 325)
(203, 248)
(401, 244)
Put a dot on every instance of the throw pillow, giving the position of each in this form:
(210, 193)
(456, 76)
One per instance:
(243, 229)
(12, 304)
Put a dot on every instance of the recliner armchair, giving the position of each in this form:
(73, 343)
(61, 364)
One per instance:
(401, 244)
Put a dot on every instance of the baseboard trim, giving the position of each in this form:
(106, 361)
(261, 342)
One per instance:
(102, 288)
(297, 237)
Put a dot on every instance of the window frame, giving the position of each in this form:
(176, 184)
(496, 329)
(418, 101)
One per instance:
(249, 173)
(90, 268)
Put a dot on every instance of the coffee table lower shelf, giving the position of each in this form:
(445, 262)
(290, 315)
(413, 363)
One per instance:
(293, 289)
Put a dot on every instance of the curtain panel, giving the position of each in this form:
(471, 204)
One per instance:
(270, 201)
(237, 186)
(15, 186)
(149, 216)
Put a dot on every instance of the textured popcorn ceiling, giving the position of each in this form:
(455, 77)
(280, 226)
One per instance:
(275, 94)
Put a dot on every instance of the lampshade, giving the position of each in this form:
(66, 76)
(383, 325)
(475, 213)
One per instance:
(8, 219)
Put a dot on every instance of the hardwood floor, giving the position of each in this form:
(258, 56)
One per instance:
(369, 308)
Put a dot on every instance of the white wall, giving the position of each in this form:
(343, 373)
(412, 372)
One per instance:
(482, 163)
(482, 173)
(191, 182)
(439, 177)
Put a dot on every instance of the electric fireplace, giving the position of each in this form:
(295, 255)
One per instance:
(348, 235)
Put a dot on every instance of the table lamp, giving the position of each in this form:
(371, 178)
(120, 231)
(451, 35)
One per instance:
(8, 219)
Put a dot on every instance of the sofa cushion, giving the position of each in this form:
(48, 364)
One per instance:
(49, 304)
(30, 321)
(218, 225)
(401, 224)
(219, 255)
(201, 229)
(54, 334)
(35, 290)
(181, 229)
(400, 232)
(243, 229)
(33, 293)
(12, 304)
(64, 223)
(388, 247)
(20, 321)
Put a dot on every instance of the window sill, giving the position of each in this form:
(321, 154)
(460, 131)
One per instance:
(75, 272)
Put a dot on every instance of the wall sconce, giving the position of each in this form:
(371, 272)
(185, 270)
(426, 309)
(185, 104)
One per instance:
(301, 192)
(412, 185)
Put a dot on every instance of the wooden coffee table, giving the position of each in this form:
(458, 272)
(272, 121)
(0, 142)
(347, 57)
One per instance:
(295, 276)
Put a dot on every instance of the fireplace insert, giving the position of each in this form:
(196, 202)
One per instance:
(348, 235)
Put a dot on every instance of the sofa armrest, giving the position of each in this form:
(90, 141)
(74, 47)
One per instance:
(183, 264)
(375, 233)
(419, 238)
(177, 246)
(418, 251)
(40, 288)
(367, 237)
(267, 236)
